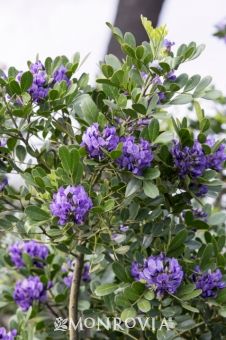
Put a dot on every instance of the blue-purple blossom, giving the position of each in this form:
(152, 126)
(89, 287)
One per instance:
(221, 30)
(39, 88)
(4, 182)
(3, 142)
(209, 282)
(4, 335)
(68, 268)
(216, 160)
(96, 141)
(168, 44)
(200, 190)
(29, 290)
(199, 214)
(38, 253)
(189, 160)
(71, 204)
(162, 274)
(61, 74)
(135, 156)
(123, 228)
(171, 76)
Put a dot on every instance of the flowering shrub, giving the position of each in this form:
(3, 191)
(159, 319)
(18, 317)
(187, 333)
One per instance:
(119, 210)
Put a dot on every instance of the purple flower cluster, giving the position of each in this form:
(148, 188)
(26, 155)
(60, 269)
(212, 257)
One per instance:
(200, 190)
(168, 44)
(221, 30)
(38, 253)
(4, 335)
(215, 161)
(193, 161)
(135, 156)
(39, 88)
(29, 290)
(199, 214)
(209, 282)
(3, 142)
(71, 204)
(68, 268)
(61, 74)
(3, 184)
(189, 160)
(95, 141)
(163, 274)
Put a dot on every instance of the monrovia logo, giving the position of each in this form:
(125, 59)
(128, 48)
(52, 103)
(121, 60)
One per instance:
(115, 324)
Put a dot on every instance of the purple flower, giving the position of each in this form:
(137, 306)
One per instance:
(162, 96)
(38, 253)
(86, 273)
(95, 141)
(215, 161)
(68, 267)
(199, 214)
(61, 74)
(161, 273)
(209, 282)
(123, 228)
(39, 88)
(29, 290)
(135, 156)
(168, 44)
(171, 76)
(71, 204)
(189, 160)
(200, 190)
(4, 335)
(3, 184)
(156, 81)
(3, 142)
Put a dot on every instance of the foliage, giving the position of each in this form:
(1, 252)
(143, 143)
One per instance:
(134, 215)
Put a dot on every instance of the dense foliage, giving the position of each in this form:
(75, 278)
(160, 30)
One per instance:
(117, 192)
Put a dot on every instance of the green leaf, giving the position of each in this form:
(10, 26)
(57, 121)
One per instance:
(26, 81)
(178, 240)
(181, 99)
(133, 186)
(190, 308)
(107, 70)
(201, 86)
(144, 305)
(221, 297)
(106, 289)
(192, 83)
(217, 218)
(206, 256)
(128, 313)
(199, 111)
(150, 189)
(86, 109)
(153, 129)
(117, 77)
(164, 138)
(65, 158)
(191, 295)
(151, 173)
(186, 289)
(15, 87)
(109, 205)
(149, 295)
(21, 152)
(36, 214)
(120, 272)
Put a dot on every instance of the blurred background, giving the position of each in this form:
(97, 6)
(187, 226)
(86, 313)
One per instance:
(55, 27)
